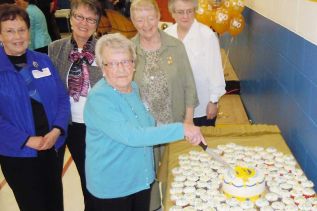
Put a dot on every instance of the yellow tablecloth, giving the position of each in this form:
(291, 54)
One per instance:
(246, 135)
(231, 111)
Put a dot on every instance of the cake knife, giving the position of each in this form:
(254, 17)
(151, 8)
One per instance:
(214, 155)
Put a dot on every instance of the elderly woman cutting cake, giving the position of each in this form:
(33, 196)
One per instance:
(121, 133)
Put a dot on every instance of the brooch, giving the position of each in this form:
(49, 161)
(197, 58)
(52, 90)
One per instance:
(170, 60)
(35, 64)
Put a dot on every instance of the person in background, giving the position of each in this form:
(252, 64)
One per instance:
(203, 50)
(121, 132)
(163, 73)
(7, 2)
(40, 38)
(48, 7)
(34, 114)
(122, 6)
(74, 57)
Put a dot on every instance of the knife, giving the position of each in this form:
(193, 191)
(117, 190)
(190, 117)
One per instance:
(214, 155)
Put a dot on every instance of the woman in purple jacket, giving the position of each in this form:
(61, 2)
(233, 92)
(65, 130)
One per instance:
(34, 113)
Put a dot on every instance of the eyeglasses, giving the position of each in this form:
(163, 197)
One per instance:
(183, 12)
(114, 65)
(81, 18)
(12, 32)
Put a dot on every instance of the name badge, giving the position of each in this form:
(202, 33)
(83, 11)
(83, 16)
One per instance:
(40, 74)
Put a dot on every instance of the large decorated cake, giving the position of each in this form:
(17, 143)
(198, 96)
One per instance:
(243, 183)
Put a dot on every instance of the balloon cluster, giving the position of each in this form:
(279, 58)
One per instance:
(222, 15)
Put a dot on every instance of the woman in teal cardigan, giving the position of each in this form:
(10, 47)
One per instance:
(121, 133)
(40, 38)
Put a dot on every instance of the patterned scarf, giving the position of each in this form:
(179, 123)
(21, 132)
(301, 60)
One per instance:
(78, 77)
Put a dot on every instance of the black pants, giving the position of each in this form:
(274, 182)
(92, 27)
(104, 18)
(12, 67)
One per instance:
(139, 201)
(76, 144)
(36, 182)
(203, 121)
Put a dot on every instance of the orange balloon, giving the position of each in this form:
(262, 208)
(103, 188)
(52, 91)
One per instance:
(220, 22)
(203, 12)
(234, 7)
(236, 25)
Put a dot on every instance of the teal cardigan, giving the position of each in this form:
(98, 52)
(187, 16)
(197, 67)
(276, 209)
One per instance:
(119, 139)
(39, 32)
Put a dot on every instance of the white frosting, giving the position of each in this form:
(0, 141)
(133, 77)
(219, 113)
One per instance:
(271, 197)
(261, 202)
(266, 208)
(235, 186)
(278, 205)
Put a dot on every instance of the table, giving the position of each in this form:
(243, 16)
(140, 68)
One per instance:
(246, 135)
(231, 111)
(231, 78)
(65, 15)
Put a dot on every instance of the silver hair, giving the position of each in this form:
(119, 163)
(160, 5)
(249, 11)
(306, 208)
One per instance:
(114, 41)
(171, 4)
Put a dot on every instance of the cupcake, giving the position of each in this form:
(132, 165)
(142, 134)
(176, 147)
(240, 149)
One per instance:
(183, 157)
(271, 197)
(201, 206)
(307, 206)
(266, 208)
(189, 190)
(286, 186)
(199, 192)
(183, 162)
(175, 196)
(182, 202)
(189, 183)
(258, 149)
(223, 207)
(206, 197)
(277, 205)
(177, 184)
(179, 178)
(247, 205)
(176, 208)
(232, 202)
(176, 190)
(309, 193)
(262, 202)
(288, 201)
(271, 150)
(202, 184)
(189, 196)
(308, 184)
(291, 207)
(236, 208)
(176, 171)
(299, 200)
(194, 152)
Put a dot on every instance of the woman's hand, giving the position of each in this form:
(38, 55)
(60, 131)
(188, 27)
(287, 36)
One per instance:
(193, 134)
(211, 110)
(35, 142)
(50, 138)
